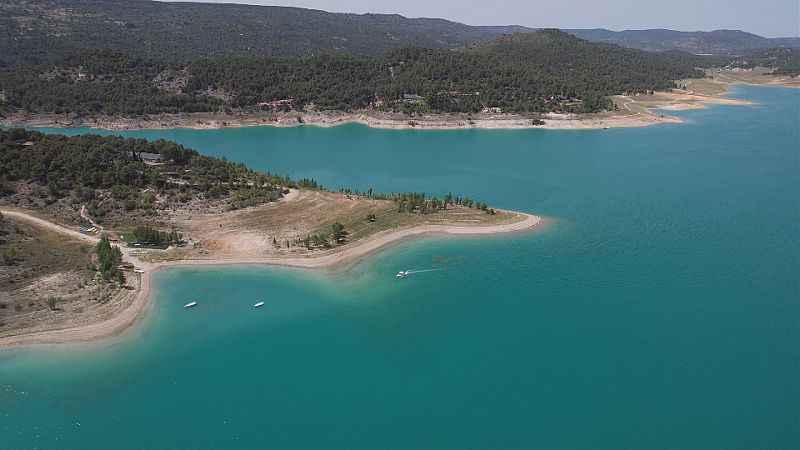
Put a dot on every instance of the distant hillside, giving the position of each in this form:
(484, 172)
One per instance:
(785, 61)
(719, 42)
(548, 70)
(34, 31)
(39, 30)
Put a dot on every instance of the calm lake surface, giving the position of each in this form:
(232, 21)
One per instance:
(659, 309)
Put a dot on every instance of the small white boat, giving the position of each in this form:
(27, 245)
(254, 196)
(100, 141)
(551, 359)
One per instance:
(402, 274)
(258, 305)
(189, 305)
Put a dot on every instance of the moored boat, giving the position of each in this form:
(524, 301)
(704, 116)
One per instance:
(189, 305)
(258, 305)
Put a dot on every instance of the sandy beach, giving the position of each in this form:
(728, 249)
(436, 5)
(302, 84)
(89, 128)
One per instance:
(117, 326)
(326, 119)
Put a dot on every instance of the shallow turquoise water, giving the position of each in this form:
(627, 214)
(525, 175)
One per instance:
(659, 309)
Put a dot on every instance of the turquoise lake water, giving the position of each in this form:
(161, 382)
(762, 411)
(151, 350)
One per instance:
(659, 309)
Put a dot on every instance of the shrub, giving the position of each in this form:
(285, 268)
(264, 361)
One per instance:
(9, 255)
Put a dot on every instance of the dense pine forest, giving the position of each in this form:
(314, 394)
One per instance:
(135, 58)
(37, 31)
(544, 71)
(109, 172)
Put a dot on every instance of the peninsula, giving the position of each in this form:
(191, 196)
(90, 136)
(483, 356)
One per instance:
(164, 205)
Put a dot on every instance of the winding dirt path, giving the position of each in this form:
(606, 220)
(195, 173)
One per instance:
(27, 217)
(89, 218)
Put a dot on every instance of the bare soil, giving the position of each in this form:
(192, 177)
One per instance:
(52, 265)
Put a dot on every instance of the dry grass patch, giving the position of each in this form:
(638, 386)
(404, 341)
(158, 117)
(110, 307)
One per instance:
(49, 285)
(265, 230)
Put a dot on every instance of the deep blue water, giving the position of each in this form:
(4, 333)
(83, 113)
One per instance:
(659, 309)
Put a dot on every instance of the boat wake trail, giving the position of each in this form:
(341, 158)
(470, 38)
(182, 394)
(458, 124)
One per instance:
(411, 272)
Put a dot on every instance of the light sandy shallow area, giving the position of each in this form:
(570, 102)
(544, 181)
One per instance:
(121, 324)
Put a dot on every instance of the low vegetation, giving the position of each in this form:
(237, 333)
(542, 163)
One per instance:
(44, 265)
(52, 272)
(36, 253)
(8, 251)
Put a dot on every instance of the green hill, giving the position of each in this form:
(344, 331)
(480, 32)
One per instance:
(544, 71)
(40, 30)
(34, 31)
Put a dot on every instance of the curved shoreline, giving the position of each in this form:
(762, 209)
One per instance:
(115, 327)
(329, 119)
(676, 100)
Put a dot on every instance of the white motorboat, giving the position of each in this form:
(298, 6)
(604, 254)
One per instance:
(258, 305)
(402, 273)
(189, 305)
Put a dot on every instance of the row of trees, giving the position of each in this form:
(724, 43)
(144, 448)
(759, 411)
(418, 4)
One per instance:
(335, 233)
(151, 236)
(418, 201)
(109, 258)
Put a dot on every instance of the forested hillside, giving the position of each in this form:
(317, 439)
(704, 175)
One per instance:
(34, 31)
(544, 71)
(134, 58)
(109, 172)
